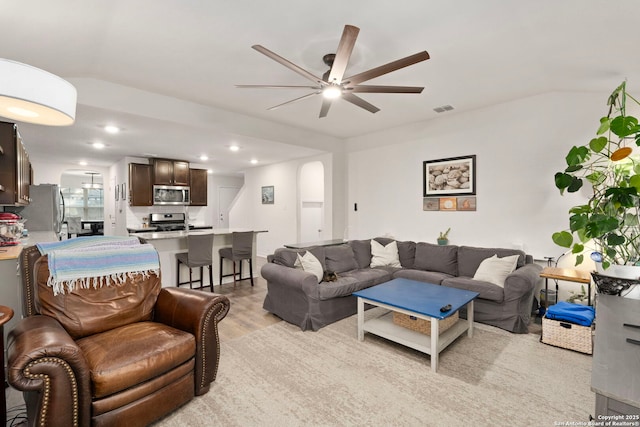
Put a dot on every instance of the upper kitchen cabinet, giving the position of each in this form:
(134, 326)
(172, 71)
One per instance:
(15, 167)
(198, 186)
(170, 172)
(140, 184)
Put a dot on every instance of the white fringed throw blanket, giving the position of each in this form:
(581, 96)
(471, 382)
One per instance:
(97, 261)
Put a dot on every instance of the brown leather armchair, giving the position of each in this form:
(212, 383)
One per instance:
(117, 355)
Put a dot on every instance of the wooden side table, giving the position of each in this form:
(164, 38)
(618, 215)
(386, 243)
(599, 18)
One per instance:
(568, 275)
(6, 313)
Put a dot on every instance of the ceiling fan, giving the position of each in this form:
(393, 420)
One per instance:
(333, 85)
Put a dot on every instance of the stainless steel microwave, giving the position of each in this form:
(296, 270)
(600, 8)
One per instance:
(171, 195)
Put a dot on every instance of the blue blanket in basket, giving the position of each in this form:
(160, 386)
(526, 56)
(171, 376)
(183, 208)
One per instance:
(574, 313)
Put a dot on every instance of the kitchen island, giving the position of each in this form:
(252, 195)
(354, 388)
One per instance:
(169, 243)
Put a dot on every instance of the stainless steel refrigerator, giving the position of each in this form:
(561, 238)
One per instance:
(45, 212)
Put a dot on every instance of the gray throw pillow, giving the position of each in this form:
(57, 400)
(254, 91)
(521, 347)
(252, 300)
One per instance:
(362, 252)
(339, 259)
(443, 259)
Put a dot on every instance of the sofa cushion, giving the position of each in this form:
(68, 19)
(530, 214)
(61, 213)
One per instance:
(288, 257)
(149, 350)
(495, 270)
(309, 263)
(340, 258)
(352, 281)
(469, 258)
(433, 277)
(488, 291)
(407, 253)
(442, 258)
(362, 252)
(383, 256)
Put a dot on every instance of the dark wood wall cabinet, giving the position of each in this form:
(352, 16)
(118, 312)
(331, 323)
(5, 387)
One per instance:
(170, 172)
(15, 167)
(198, 184)
(140, 184)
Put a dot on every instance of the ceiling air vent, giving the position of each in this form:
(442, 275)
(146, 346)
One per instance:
(443, 109)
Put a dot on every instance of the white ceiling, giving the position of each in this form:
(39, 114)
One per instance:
(165, 70)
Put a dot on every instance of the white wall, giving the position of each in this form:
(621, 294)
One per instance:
(280, 218)
(519, 146)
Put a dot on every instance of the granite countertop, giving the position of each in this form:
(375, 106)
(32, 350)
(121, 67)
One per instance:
(159, 235)
(12, 252)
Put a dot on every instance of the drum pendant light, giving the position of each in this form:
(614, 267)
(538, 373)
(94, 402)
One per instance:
(29, 94)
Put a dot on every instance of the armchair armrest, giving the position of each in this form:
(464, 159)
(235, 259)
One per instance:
(198, 313)
(45, 362)
(521, 281)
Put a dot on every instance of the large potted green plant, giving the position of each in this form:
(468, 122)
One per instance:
(609, 219)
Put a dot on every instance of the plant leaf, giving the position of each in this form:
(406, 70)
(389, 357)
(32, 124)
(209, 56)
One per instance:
(577, 248)
(614, 239)
(563, 239)
(577, 155)
(597, 144)
(579, 259)
(563, 180)
(605, 122)
(576, 184)
(624, 126)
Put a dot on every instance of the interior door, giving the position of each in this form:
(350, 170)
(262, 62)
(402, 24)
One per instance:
(311, 221)
(226, 195)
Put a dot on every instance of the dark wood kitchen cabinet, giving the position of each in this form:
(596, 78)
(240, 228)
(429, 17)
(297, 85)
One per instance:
(198, 184)
(140, 184)
(15, 167)
(170, 172)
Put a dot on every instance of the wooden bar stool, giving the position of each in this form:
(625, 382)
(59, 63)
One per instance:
(200, 254)
(241, 249)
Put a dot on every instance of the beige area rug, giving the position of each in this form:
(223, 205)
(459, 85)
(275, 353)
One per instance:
(281, 376)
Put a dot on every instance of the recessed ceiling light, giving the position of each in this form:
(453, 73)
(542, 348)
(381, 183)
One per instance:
(254, 161)
(98, 145)
(82, 163)
(204, 157)
(234, 148)
(111, 129)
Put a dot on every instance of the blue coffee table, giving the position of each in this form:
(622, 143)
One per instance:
(423, 301)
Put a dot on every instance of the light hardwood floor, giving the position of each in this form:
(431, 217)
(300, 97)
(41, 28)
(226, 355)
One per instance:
(246, 313)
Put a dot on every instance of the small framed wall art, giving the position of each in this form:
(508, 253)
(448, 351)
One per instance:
(454, 176)
(268, 195)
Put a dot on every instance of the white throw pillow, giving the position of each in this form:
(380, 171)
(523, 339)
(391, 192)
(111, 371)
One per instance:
(384, 256)
(495, 270)
(309, 263)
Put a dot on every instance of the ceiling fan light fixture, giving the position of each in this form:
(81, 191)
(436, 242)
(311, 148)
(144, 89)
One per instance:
(332, 92)
(29, 94)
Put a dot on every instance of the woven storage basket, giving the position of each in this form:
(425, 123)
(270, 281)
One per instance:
(422, 325)
(567, 335)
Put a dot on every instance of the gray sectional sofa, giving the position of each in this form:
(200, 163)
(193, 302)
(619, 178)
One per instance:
(296, 296)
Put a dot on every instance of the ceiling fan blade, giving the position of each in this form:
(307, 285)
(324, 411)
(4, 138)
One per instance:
(356, 100)
(294, 100)
(277, 87)
(290, 65)
(385, 89)
(345, 47)
(326, 104)
(386, 68)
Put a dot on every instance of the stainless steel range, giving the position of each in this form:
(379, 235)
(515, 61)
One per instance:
(171, 222)
(168, 221)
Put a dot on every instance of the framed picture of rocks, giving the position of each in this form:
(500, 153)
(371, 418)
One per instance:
(454, 176)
